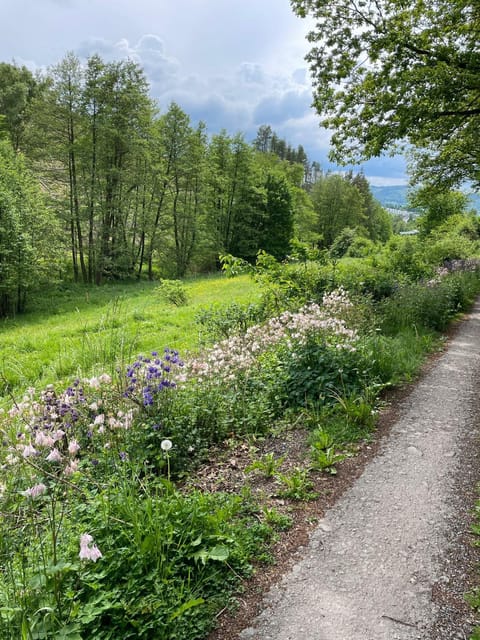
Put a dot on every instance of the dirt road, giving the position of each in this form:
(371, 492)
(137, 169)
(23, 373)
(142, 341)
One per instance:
(375, 562)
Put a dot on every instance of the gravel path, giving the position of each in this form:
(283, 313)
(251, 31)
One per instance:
(374, 561)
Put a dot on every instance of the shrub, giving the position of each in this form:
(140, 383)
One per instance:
(429, 307)
(173, 291)
(217, 323)
(445, 247)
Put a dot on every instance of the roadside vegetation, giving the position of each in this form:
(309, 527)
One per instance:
(103, 532)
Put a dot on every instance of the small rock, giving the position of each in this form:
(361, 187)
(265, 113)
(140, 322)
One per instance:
(413, 451)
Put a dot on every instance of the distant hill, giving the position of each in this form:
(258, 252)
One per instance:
(395, 197)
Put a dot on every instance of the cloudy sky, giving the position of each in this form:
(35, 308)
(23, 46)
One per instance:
(236, 64)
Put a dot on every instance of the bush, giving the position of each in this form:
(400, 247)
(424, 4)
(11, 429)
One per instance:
(418, 306)
(220, 322)
(361, 247)
(366, 278)
(403, 256)
(316, 371)
(159, 564)
(173, 291)
(445, 247)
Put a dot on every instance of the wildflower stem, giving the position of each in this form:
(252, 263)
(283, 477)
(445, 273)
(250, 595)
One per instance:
(55, 477)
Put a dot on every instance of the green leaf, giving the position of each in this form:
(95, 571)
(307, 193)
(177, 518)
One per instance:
(220, 553)
(185, 606)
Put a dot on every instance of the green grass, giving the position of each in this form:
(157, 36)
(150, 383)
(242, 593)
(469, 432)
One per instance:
(75, 330)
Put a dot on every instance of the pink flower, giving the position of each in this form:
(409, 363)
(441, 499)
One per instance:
(54, 456)
(88, 550)
(73, 447)
(44, 440)
(35, 491)
(71, 468)
(28, 451)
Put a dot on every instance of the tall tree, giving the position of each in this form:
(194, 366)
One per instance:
(263, 139)
(56, 131)
(279, 217)
(18, 87)
(378, 222)
(338, 204)
(187, 188)
(27, 232)
(90, 129)
(232, 192)
(437, 207)
(387, 72)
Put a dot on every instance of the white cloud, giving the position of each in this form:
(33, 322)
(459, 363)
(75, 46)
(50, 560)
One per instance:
(242, 100)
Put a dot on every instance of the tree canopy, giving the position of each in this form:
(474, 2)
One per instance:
(390, 72)
(17, 89)
(91, 169)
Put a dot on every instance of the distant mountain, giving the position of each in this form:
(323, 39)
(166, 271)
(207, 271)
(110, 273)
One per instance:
(395, 197)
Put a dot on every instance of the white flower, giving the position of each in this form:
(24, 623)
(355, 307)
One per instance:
(166, 445)
(93, 383)
(88, 550)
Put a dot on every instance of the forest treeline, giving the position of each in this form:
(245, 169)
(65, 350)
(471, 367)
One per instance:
(97, 184)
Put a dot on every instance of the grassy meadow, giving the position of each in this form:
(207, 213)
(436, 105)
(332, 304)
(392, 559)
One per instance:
(77, 331)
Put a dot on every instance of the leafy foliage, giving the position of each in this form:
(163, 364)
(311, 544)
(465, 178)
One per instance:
(387, 72)
(96, 541)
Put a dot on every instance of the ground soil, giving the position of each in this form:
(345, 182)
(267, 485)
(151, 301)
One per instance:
(456, 569)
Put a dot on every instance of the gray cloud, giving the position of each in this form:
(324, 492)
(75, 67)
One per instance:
(251, 73)
(276, 109)
(239, 101)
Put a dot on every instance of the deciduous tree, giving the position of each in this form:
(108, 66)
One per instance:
(389, 71)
